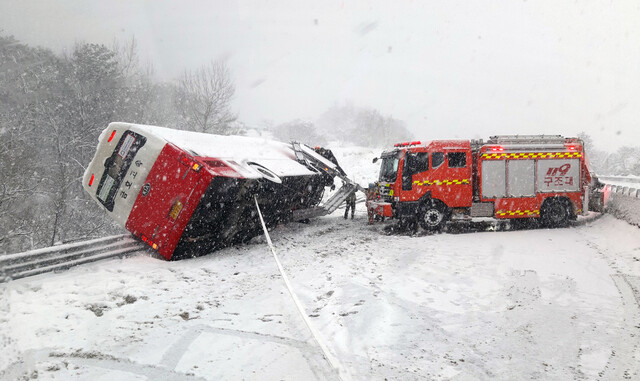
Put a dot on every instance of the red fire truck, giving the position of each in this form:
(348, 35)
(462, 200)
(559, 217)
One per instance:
(506, 177)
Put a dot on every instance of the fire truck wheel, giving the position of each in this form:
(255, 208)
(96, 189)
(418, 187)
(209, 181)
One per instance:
(433, 215)
(554, 213)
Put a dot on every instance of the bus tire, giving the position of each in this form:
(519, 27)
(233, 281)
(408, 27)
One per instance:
(265, 172)
(555, 213)
(433, 215)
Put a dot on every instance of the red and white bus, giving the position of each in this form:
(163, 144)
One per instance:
(187, 193)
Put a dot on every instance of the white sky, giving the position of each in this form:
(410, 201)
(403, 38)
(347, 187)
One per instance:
(466, 69)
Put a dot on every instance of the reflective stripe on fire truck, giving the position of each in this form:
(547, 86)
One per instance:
(531, 155)
(517, 212)
(442, 182)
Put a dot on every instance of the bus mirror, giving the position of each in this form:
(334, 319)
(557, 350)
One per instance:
(375, 159)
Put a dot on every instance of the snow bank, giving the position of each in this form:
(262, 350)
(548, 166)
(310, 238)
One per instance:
(357, 162)
(625, 207)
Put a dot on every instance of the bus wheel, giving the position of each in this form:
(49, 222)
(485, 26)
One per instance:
(432, 216)
(554, 213)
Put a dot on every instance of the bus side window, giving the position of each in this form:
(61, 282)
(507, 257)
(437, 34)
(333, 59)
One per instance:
(437, 158)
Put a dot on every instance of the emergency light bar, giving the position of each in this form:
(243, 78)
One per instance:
(405, 144)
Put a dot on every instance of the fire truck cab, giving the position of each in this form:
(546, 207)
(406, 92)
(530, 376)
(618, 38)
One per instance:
(505, 177)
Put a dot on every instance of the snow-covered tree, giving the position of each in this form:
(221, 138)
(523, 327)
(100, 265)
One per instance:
(624, 161)
(52, 110)
(25, 75)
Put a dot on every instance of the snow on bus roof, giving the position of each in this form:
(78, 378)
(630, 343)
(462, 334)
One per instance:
(276, 156)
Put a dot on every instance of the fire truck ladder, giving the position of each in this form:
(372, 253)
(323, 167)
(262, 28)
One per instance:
(526, 139)
(312, 160)
(524, 142)
(516, 142)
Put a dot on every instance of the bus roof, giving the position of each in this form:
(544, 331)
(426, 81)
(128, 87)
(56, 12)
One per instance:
(276, 156)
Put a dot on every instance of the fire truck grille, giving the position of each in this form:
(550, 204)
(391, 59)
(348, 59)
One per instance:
(385, 193)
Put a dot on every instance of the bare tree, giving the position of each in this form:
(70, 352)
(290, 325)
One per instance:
(127, 57)
(203, 98)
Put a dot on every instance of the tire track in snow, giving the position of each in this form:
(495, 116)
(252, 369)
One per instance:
(31, 358)
(624, 362)
(176, 352)
(173, 355)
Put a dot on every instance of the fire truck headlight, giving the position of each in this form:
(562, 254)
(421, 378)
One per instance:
(396, 199)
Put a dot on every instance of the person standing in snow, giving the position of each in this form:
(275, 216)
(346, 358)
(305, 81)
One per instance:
(371, 195)
(351, 203)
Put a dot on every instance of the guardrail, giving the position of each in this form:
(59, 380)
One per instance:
(61, 257)
(620, 179)
(622, 197)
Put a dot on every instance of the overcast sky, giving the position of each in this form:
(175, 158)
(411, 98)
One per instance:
(465, 69)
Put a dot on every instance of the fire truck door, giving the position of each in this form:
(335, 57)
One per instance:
(521, 178)
(452, 179)
(494, 174)
(414, 163)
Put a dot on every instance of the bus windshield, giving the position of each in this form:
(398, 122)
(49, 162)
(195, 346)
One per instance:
(389, 168)
(116, 167)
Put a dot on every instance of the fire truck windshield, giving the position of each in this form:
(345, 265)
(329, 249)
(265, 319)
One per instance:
(389, 169)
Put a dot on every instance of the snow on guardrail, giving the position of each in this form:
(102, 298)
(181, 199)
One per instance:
(621, 180)
(61, 257)
(622, 197)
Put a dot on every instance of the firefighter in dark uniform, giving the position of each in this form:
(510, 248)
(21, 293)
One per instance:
(351, 203)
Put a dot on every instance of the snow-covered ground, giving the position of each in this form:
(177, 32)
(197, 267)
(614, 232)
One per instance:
(528, 304)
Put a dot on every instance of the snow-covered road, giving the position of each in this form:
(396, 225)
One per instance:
(529, 304)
